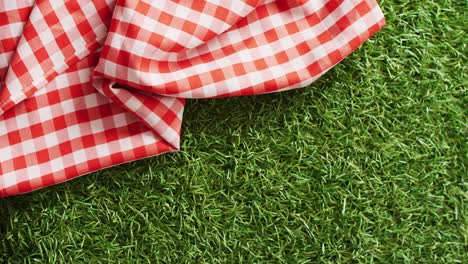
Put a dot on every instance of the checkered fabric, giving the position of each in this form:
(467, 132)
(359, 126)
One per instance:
(88, 84)
(13, 15)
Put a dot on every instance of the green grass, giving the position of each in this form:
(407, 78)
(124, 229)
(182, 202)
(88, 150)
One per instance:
(366, 165)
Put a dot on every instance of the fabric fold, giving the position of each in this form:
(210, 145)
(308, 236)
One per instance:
(58, 35)
(88, 84)
(163, 115)
(279, 45)
(12, 21)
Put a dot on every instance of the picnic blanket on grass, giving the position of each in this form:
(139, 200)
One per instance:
(89, 84)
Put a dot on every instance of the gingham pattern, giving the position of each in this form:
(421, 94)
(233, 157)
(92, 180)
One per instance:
(57, 35)
(68, 129)
(89, 84)
(165, 48)
(13, 16)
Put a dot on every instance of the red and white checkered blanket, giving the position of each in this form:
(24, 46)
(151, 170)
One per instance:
(88, 84)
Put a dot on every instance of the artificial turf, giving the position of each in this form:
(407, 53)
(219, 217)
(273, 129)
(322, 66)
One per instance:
(365, 165)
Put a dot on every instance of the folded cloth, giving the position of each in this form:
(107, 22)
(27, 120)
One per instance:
(89, 84)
